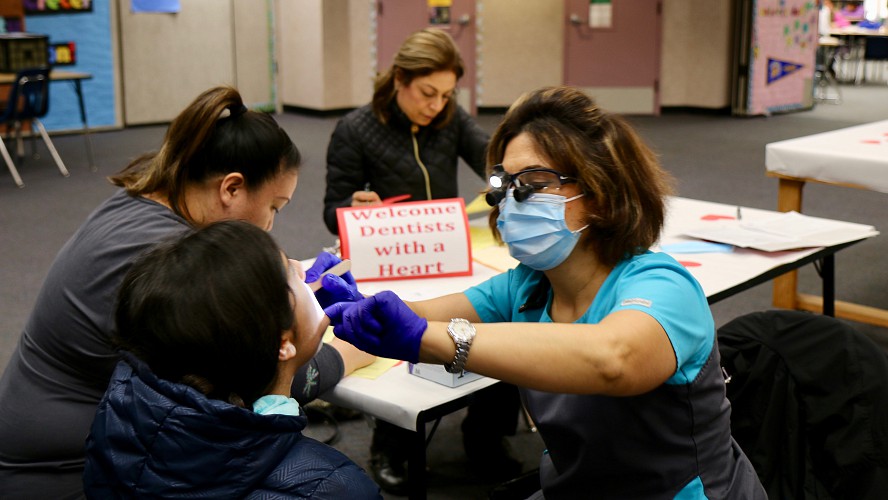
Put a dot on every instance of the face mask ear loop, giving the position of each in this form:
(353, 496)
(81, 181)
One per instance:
(572, 198)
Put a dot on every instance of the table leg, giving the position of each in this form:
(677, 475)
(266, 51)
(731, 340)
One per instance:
(416, 465)
(859, 61)
(785, 295)
(89, 151)
(789, 198)
(824, 76)
(828, 275)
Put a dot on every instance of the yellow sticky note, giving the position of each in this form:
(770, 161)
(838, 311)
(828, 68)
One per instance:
(371, 371)
(477, 206)
(481, 237)
(376, 368)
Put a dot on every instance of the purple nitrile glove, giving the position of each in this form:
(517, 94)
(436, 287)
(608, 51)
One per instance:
(333, 288)
(381, 324)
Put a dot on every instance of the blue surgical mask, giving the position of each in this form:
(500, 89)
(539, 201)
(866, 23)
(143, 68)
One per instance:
(535, 229)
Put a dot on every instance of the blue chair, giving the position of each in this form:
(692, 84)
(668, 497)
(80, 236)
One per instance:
(28, 100)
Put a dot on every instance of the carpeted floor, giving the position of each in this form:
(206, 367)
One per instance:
(713, 156)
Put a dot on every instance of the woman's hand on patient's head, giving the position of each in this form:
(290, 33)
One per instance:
(333, 288)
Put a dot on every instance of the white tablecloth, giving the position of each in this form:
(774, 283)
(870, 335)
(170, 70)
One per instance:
(399, 397)
(855, 155)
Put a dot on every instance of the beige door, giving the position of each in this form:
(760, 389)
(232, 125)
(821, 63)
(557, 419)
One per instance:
(612, 50)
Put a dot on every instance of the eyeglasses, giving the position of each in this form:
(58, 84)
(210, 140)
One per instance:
(526, 182)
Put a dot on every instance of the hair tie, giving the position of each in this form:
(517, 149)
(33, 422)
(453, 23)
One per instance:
(233, 111)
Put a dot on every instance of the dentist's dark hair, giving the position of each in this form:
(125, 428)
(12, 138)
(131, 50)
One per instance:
(621, 177)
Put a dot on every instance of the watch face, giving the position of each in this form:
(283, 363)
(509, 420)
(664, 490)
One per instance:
(462, 331)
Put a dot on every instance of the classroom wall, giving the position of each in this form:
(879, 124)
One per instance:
(168, 59)
(521, 47)
(93, 33)
(326, 59)
(695, 68)
(324, 46)
(300, 54)
(253, 50)
(326, 54)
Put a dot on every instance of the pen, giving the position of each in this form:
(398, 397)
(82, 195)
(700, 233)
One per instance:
(361, 199)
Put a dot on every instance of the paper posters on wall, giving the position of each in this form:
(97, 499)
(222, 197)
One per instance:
(600, 14)
(63, 54)
(439, 11)
(156, 6)
(423, 239)
(782, 55)
(57, 6)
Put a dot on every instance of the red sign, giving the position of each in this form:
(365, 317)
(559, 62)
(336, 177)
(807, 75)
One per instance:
(422, 239)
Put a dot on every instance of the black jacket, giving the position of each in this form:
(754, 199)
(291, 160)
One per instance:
(363, 151)
(810, 404)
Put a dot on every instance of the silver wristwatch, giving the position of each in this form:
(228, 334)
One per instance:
(462, 332)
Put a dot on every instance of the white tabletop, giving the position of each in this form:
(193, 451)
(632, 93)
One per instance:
(718, 272)
(399, 398)
(855, 155)
(855, 30)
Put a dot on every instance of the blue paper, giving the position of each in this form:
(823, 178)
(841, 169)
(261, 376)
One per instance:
(697, 247)
(163, 6)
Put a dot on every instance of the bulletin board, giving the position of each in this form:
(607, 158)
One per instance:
(57, 6)
(90, 33)
(781, 56)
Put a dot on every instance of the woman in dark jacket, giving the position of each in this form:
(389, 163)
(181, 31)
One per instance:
(408, 141)
(214, 326)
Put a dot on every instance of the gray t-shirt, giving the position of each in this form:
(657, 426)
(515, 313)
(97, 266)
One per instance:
(64, 359)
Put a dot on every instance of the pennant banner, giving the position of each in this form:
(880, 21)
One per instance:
(777, 69)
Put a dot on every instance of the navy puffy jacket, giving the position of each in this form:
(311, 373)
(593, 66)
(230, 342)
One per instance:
(155, 439)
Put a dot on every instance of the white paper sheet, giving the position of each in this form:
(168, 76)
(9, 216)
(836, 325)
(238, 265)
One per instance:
(718, 272)
(785, 231)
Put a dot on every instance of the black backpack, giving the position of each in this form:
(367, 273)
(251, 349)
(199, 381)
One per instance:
(809, 398)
